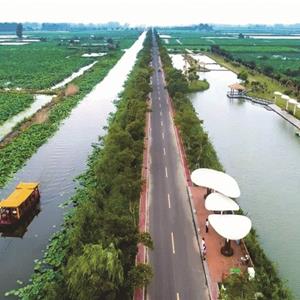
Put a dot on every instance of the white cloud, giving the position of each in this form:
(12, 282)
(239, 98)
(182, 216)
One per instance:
(153, 12)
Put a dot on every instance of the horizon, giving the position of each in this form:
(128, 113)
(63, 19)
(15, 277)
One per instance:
(154, 13)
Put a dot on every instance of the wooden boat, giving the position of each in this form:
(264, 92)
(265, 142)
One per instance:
(21, 202)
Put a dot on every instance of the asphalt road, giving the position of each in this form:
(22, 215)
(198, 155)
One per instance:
(176, 262)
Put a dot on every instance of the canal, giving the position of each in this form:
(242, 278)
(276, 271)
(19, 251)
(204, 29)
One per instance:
(261, 150)
(55, 165)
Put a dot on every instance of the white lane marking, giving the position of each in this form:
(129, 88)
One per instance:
(169, 200)
(177, 296)
(160, 113)
(173, 245)
(161, 123)
(163, 136)
(166, 171)
(159, 105)
(159, 98)
(165, 151)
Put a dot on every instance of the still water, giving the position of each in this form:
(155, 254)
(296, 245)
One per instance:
(39, 102)
(262, 152)
(55, 165)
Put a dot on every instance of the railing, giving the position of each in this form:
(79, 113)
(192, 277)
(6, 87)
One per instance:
(245, 96)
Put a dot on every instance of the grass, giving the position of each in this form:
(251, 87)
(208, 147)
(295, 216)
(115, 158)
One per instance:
(198, 85)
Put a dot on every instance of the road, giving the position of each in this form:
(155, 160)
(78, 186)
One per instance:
(178, 271)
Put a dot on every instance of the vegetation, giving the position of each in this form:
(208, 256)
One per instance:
(199, 150)
(198, 85)
(11, 103)
(40, 65)
(200, 153)
(14, 155)
(93, 256)
(19, 30)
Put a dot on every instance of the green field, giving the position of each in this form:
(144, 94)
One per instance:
(11, 103)
(277, 57)
(40, 65)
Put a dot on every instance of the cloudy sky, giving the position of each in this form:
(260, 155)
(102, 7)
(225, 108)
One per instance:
(155, 12)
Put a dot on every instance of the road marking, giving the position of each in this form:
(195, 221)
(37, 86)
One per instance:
(158, 98)
(169, 200)
(159, 105)
(166, 171)
(164, 151)
(161, 123)
(173, 245)
(177, 296)
(160, 113)
(163, 136)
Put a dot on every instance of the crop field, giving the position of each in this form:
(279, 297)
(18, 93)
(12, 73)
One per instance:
(11, 103)
(276, 56)
(40, 65)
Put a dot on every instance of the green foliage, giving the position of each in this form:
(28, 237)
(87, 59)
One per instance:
(141, 275)
(243, 75)
(145, 239)
(239, 287)
(198, 86)
(93, 256)
(19, 30)
(97, 271)
(11, 103)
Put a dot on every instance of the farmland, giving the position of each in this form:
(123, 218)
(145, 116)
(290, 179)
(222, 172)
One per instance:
(42, 64)
(278, 57)
(12, 103)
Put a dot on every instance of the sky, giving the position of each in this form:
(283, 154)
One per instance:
(154, 12)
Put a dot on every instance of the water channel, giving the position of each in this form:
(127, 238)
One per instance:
(55, 165)
(39, 102)
(261, 150)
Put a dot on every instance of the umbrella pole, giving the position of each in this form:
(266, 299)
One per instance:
(226, 250)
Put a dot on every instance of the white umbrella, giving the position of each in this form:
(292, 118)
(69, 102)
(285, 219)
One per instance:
(217, 181)
(230, 227)
(219, 202)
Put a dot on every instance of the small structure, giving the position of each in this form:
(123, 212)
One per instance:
(230, 227)
(217, 181)
(236, 89)
(19, 203)
(291, 101)
(219, 202)
(277, 94)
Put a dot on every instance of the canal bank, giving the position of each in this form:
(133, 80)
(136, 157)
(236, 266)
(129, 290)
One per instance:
(55, 165)
(261, 151)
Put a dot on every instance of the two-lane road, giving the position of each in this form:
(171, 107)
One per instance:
(178, 271)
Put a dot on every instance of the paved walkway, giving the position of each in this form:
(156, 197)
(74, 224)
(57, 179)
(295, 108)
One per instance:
(219, 265)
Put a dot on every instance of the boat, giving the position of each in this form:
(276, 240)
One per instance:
(20, 203)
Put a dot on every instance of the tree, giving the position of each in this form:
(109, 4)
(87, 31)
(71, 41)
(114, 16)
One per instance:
(243, 75)
(96, 274)
(19, 30)
(141, 275)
